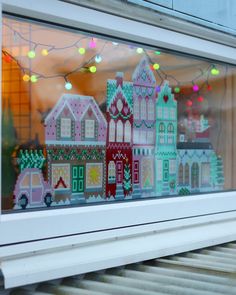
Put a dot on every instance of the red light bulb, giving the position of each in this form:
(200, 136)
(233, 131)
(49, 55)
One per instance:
(209, 88)
(7, 58)
(189, 103)
(200, 98)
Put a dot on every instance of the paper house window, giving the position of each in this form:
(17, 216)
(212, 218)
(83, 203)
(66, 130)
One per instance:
(205, 173)
(147, 173)
(111, 171)
(119, 131)
(66, 128)
(181, 174)
(112, 130)
(150, 137)
(127, 131)
(161, 128)
(165, 113)
(186, 174)
(161, 133)
(159, 170)
(136, 171)
(143, 136)
(172, 166)
(151, 109)
(136, 136)
(172, 113)
(89, 129)
(170, 136)
(159, 112)
(94, 175)
(195, 175)
(61, 176)
(136, 109)
(143, 109)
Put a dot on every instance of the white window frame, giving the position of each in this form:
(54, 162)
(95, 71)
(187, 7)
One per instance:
(203, 217)
(119, 131)
(136, 108)
(128, 131)
(64, 132)
(172, 166)
(151, 109)
(112, 130)
(143, 110)
(89, 129)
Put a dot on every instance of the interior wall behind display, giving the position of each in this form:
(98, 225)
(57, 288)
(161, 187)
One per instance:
(93, 120)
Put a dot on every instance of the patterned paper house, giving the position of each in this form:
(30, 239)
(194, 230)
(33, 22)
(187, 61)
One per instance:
(166, 136)
(199, 168)
(119, 137)
(143, 129)
(75, 136)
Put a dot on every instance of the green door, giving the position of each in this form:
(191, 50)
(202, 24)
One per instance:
(165, 170)
(77, 179)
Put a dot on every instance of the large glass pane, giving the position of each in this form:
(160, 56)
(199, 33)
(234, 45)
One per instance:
(86, 119)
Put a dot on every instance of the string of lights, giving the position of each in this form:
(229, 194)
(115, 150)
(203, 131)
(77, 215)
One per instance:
(89, 65)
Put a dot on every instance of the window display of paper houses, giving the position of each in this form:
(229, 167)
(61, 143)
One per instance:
(130, 152)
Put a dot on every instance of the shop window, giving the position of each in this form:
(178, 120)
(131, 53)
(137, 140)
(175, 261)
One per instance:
(69, 117)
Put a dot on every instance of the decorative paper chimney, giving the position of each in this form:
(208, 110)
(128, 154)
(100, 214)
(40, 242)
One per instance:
(119, 79)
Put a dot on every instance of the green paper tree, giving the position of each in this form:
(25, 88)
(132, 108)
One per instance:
(217, 172)
(31, 159)
(127, 179)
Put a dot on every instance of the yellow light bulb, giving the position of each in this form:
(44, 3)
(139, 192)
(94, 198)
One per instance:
(93, 69)
(44, 52)
(156, 66)
(26, 78)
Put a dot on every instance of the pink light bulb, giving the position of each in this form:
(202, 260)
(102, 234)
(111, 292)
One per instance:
(92, 43)
(195, 88)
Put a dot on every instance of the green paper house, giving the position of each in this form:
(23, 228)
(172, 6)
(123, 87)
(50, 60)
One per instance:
(165, 148)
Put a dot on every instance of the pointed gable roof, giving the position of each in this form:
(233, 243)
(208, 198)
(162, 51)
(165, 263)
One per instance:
(165, 96)
(142, 74)
(126, 89)
(78, 105)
